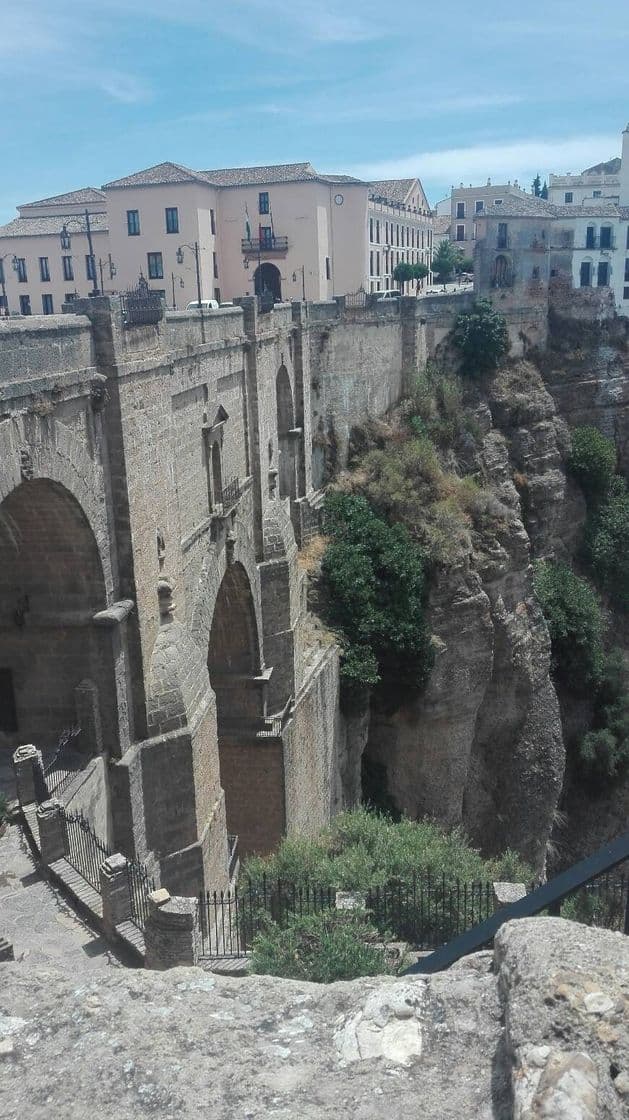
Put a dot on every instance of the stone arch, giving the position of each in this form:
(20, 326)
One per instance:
(285, 413)
(267, 278)
(502, 272)
(52, 583)
(251, 762)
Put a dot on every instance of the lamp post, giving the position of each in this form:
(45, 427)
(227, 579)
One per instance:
(65, 244)
(181, 285)
(303, 281)
(5, 302)
(180, 256)
(112, 270)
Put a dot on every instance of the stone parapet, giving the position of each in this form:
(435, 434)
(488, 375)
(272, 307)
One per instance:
(115, 893)
(172, 935)
(27, 764)
(51, 834)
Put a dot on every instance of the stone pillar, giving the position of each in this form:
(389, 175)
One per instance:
(504, 893)
(51, 831)
(115, 892)
(27, 763)
(172, 934)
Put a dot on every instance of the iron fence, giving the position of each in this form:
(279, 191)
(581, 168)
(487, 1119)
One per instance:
(603, 902)
(63, 766)
(140, 305)
(140, 886)
(356, 299)
(83, 848)
(229, 920)
(230, 494)
(232, 846)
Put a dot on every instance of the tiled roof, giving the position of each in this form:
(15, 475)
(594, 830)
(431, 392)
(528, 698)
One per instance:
(521, 206)
(597, 210)
(250, 176)
(342, 179)
(623, 213)
(83, 196)
(40, 227)
(610, 167)
(154, 176)
(395, 190)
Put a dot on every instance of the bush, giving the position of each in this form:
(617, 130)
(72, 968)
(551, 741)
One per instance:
(607, 543)
(592, 461)
(603, 753)
(332, 945)
(481, 337)
(575, 623)
(373, 574)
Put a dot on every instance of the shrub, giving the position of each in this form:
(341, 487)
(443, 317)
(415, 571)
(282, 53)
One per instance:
(603, 753)
(575, 623)
(481, 337)
(323, 947)
(607, 543)
(592, 461)
(373, 574)
(437, 410)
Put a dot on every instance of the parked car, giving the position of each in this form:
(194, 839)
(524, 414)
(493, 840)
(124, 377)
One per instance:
(389, 294)
(205, 305)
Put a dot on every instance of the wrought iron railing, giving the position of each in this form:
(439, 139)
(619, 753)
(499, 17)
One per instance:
(64, 765)
(140, 886)
(230, 494)
(232, 847)
(140, 305)
(255, 245)
(83, 848)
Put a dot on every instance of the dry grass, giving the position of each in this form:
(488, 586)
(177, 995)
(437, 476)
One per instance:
(310, 556)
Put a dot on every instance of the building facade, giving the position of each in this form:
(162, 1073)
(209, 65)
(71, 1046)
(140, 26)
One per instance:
(467, 204)
(222, 234)
(601, 182)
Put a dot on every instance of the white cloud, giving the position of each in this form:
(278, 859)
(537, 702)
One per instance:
(515, 159)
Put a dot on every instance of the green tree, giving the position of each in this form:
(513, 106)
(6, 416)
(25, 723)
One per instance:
(536, 187)
(402, 273)
(444, 262)
(607, 543)
(373, 574)
(592, 461)
(544, 190)
(575, 623)
(481, 337)
(465, 264)
(420, 272)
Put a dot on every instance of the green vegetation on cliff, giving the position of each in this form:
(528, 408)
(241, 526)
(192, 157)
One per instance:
(592, 461)
(332, 945)
(481, 337)
(575, 623)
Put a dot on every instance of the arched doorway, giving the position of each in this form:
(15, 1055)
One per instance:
(251, 764)
(51, 585)
(502, 272)
(267, 278)
(285, 441)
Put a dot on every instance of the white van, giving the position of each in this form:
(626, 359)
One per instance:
(204, 305)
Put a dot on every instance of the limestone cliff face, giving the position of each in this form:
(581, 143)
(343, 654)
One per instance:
(482, 746)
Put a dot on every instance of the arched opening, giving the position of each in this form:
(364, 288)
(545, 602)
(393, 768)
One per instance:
(51, 585)
(285, 441)
(217, 476)
(267, 278)
(502, 272)
(251, 763)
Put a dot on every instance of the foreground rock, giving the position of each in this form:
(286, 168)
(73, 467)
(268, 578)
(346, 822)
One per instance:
(186, 1044)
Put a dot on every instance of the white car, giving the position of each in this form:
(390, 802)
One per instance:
(205, 305)
(391, 293)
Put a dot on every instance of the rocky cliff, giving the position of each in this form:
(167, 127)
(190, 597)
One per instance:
(540, 1029)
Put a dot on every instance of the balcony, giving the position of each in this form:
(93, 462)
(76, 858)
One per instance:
(253, 246)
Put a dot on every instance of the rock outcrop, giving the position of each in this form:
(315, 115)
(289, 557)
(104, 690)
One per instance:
(545, 1033)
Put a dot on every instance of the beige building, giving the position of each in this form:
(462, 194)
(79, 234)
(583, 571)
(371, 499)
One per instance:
(467, 204)
(400, 230)
(216, 234)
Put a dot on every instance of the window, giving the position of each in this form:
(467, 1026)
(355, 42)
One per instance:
(590, 237)
(172, 219)
(25, 305)
(479, 206)
(377, 263)
(460, 233)
(460, 209)
(371, 262)
(20, 269)
(378, 231)
(606, 237)
(497, 202)
(628, 237)
(44, 271)
(503, 238)
(535, 273)
(627, 272)
(90, 267)
(371, 229)
(585, 279)
(47, 305)
(215, 265)
(155, 266)
(133, 223)
(217, 295)
(328, 272)
(8, 714)
(1, 272)
(625, 293)
(568, 196)
(263, 203)
(602, 278)
(212, 222)
(596, 194)
(68, 271)
(266, 237)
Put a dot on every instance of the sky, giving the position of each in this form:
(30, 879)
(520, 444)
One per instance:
(452, 92)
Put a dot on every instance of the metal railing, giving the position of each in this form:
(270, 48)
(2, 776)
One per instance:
(83, 848)
(264, 245)
(232, 848)
(230, 494)
(140, 886)
(229, 920)
(64, 765)
(140, 305)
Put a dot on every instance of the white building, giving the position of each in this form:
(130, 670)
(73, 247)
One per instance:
(598, 183)
(400, 230)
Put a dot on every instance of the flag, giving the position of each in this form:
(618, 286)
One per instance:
(247, 224)
(271, 219)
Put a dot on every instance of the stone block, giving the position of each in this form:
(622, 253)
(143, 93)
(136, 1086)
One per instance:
(115, 891)
(505, 893)
(172, 934)
(51, 831)
(27, 763)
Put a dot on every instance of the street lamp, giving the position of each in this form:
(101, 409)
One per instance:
(5, 302)
(182, 284)
(112, 270)
(180, 258)
(65, 244)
